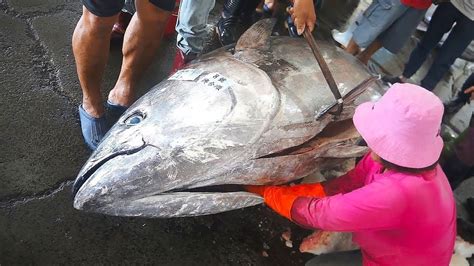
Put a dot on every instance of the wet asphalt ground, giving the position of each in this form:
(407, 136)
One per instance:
(41, 151)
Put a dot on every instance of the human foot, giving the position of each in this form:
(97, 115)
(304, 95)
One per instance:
(93, 128)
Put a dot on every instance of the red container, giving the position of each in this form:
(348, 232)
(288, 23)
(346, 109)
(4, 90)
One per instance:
(171, 24)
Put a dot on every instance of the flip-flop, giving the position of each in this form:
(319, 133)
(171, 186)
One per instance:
(114, 111)
(93, 129)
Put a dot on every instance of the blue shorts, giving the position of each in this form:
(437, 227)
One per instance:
(388, 21)
(108, 8)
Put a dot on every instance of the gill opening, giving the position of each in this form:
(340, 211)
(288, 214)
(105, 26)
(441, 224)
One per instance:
(332, 130)
(227, 188)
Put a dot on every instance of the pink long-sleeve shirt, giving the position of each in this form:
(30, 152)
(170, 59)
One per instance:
(396, 218)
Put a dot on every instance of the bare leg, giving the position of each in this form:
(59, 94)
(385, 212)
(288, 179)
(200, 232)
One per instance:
(365, 55)
(352, 47)
(141, 42)
(90, 44)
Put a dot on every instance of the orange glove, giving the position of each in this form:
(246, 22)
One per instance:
(281, 198)
(259, 190)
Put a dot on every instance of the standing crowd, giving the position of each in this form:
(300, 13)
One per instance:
(397, 201)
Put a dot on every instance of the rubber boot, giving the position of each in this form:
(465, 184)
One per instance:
(227, 25)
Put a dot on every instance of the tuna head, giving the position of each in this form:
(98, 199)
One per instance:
(168, 145)
(186, 147)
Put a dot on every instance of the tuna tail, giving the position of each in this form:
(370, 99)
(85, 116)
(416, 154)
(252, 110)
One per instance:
(257, 36)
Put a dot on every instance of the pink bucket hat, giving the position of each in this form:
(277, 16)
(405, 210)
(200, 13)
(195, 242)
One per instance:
(403, 127)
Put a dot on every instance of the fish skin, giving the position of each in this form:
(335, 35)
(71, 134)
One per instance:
(249, 117)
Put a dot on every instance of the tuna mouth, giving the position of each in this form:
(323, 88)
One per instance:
(185, 202)
(175, 204)
(80, 180)
(226, 188)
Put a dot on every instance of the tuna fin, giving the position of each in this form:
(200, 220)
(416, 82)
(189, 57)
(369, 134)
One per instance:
(257, 36)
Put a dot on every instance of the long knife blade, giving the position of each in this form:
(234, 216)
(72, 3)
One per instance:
(325, 69)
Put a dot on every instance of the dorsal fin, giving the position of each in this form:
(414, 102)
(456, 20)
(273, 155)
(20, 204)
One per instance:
(257, 36)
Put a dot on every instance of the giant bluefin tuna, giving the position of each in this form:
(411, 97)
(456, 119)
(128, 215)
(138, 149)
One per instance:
(257, 114)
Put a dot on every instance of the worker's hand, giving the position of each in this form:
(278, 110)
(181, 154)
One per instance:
(302, 190)
(303, 15)
(470, 90)
(281, 198)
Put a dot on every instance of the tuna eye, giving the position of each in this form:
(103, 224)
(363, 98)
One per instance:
(134, 119)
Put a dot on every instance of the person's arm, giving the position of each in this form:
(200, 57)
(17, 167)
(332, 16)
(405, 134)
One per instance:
(280, 198)
(353, 179)
(303, 14)
(376, 206)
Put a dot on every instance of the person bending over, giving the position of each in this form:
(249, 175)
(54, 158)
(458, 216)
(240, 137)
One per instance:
(397, 201)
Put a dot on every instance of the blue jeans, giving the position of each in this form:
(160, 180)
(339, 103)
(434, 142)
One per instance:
(377, 18)
(191, 26)
(129, 7)
(460, 37)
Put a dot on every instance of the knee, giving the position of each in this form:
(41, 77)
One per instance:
(94, 23)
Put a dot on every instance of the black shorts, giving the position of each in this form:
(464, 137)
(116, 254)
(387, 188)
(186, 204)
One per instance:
(108, 8)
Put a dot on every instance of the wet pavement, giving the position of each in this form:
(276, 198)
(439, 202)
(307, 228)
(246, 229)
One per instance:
(42, 151)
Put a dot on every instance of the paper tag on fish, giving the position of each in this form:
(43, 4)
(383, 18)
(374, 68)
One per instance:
(216, 81)
(188, 74)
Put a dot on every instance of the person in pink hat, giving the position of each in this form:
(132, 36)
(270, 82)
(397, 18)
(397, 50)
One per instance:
(397, 201)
